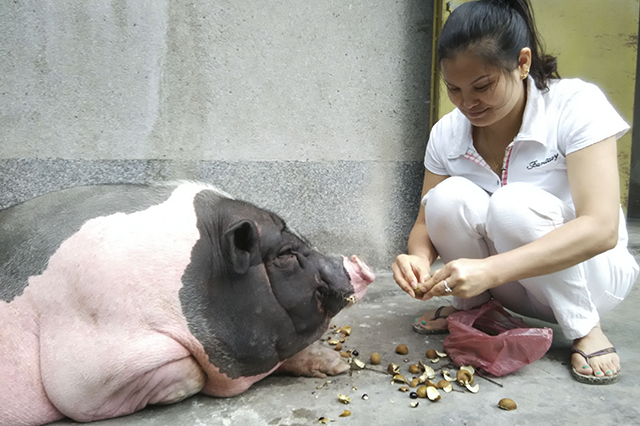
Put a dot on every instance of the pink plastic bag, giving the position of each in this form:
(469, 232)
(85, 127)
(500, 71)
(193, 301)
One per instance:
(494, 341)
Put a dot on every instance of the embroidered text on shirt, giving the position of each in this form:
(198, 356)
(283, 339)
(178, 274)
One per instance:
(537, 163)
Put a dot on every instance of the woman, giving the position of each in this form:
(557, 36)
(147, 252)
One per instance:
(521, 189)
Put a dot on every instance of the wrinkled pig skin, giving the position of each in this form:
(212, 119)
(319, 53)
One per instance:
(113, 297)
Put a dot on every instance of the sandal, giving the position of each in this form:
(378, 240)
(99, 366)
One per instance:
(592, 379)
(419, 326)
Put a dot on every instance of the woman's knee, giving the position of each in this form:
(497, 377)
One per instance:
(520, 213)
(453, 199)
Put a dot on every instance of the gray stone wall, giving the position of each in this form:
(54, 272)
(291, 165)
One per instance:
(315, 110)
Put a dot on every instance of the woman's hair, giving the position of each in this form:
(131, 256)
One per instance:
(496, 31)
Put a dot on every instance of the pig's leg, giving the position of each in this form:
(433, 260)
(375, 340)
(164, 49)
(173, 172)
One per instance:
(99, 398)
(314, 361)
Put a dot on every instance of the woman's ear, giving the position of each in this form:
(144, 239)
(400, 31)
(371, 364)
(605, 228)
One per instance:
(524, 62)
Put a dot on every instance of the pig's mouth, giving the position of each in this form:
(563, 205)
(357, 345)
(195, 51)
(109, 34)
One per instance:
(360, 275)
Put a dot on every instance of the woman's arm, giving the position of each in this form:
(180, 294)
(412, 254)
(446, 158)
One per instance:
(415, 267)
(594, 185)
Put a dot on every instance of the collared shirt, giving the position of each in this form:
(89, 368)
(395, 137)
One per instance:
(571, 115)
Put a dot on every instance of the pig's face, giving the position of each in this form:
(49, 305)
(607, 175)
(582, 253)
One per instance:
(262, 293)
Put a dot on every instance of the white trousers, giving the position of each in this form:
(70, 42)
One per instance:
(464, 221)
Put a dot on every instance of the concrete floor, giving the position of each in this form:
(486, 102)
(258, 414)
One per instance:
(545, 392)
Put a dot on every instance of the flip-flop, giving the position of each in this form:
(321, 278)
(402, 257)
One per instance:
(592, 379)
(420, 329)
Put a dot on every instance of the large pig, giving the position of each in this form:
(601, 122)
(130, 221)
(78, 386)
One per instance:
(113, 297)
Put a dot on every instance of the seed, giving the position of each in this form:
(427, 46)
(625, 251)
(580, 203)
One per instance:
(346, 330)
(464, 377)
(345, 413)
(398, 378)
(421, 392)
(355, 353)
(393, 368)
(414, 404)
(344, 354)
(413, 395)
(333, 342)
(431, 354)
(375, 358)
(507, 404)
(403, 389)
(442, 384)
(414, 382)
(402, 349)
(338, 347)
(415, 369)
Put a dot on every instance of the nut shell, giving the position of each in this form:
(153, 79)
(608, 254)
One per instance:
(507, 404)
(431, 354)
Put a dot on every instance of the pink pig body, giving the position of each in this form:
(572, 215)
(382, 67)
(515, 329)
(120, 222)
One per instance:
(101, 333)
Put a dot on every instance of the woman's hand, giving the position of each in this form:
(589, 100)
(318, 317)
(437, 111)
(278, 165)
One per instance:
(464, 278)
(410, 272)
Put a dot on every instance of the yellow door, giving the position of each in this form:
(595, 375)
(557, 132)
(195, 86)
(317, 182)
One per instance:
(593, 40)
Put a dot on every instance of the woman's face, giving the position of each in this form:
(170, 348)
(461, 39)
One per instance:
(483, 93)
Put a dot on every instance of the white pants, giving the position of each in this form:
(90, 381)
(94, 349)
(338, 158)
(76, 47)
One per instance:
(464, 221)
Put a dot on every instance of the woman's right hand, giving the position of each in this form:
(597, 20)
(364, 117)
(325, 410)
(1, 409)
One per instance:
(409, 271)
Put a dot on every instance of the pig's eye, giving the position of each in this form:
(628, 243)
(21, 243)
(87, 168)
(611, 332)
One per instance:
(286, 258)
(286, 251)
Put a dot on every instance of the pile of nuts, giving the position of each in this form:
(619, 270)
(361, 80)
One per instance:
(422, 383)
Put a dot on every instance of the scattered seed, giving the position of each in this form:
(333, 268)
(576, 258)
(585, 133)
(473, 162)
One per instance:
(413, 395)
(338, 346)
(393, 368)
(375, 358)
(398, 378)
(431, 354)
(507, 404)
(415, 369)
(414, 404)
(403, 389)
(402, 349)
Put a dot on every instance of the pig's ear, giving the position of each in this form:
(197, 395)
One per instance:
(242, 245)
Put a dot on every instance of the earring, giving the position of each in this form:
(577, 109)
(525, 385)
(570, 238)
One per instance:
(525, 74)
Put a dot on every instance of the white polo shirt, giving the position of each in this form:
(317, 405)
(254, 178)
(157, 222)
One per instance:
(570, 116)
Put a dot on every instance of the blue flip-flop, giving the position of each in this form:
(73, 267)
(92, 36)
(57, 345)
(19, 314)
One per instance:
(419, 326)
(593, 379)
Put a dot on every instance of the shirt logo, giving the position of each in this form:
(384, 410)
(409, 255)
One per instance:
(536, 163)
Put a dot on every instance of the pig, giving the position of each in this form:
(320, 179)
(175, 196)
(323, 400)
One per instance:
(114, 297)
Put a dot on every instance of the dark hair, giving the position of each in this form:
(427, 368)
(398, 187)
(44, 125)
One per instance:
(496, 31)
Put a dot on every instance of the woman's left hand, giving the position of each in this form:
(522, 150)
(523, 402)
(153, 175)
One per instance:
(462, 278)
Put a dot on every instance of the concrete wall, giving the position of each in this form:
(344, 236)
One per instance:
(315, 110)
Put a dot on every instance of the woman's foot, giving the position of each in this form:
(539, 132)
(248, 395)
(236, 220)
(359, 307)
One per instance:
(434, 321)
(594, 359)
